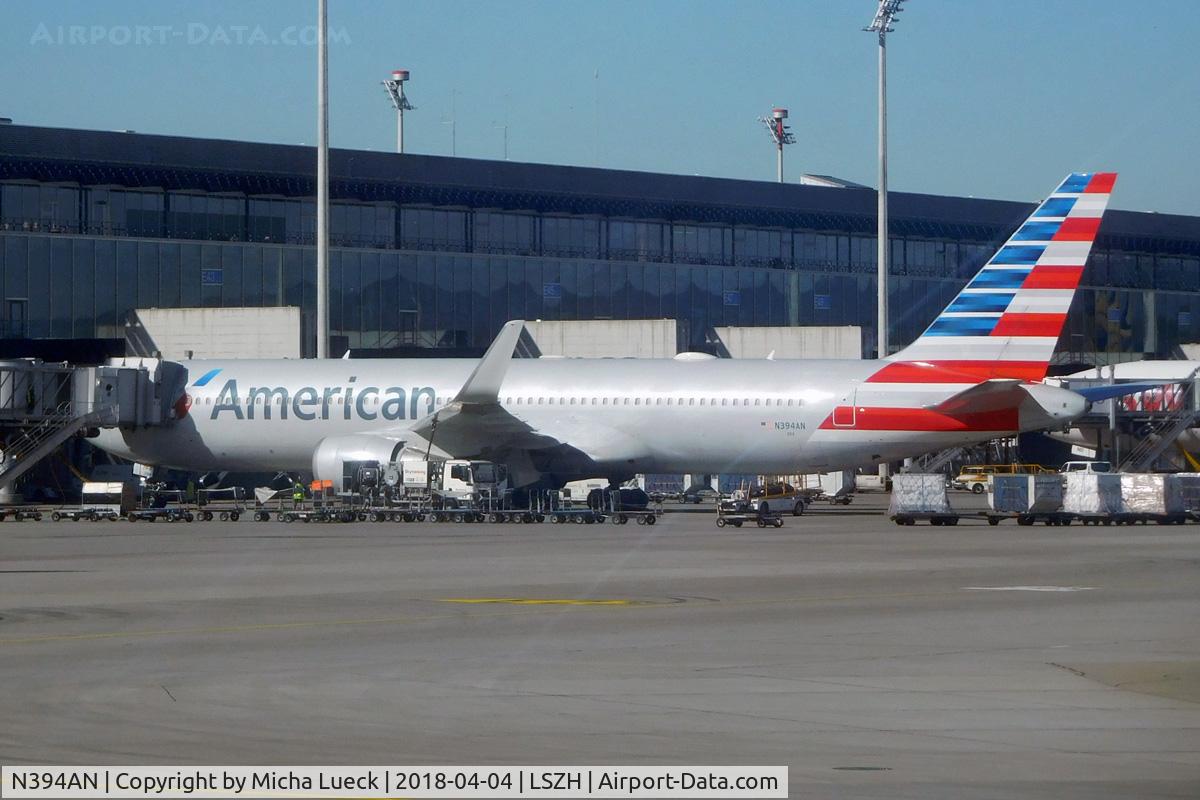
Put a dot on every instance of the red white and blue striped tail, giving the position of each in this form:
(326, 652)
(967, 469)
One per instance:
(1006, 322)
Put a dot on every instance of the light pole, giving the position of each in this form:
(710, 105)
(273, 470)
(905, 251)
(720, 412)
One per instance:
(322, 180)
(781, 134)
(395, 90)
(885, 16)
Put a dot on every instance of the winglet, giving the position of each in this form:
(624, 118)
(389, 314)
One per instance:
(484, 384)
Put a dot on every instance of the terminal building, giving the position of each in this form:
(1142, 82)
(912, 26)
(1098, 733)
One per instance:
(431, 255)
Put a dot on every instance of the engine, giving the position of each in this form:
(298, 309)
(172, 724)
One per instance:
(333, 453)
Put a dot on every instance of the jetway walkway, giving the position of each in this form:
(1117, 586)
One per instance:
(43, 405)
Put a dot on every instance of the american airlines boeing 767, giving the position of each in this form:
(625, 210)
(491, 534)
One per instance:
(973, 375)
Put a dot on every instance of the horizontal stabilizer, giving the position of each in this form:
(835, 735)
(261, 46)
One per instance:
(989, 395)
(1094, 394)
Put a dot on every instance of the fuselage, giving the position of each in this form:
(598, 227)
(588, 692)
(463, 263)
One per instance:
(618, 415)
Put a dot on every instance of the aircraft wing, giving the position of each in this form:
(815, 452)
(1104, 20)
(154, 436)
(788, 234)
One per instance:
(474, 422)
(475, 425)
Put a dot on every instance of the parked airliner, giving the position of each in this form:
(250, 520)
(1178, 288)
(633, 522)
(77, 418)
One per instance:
(973, 375)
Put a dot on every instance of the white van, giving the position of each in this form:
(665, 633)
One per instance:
(1086, 466)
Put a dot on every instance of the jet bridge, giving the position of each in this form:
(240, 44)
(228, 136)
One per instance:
(43, 405)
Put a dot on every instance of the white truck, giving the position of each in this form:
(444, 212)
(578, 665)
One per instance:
(454, 483)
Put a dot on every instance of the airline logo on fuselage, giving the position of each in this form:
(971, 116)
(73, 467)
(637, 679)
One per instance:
(310, 403)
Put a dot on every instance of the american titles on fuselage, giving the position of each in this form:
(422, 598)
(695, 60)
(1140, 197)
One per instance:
(310, 403)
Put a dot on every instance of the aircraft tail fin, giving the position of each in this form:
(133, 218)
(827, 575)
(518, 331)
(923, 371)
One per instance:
(1006, 322)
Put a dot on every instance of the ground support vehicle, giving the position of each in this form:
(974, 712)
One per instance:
(560, 508)
(934, 518)
(167, 505)
(101, 500)
(1029, 517)
(231, 499)
(646, 516)
(737, 517)
(1133, 519)
(975, 478)
(21, 513)
(399, 511)
(82, 514)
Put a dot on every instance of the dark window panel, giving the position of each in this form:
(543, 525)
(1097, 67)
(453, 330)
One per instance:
(98, 315)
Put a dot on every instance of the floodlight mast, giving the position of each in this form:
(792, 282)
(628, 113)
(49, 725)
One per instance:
(781, 134)
(395, 90)
(322, 180)
(881, 25)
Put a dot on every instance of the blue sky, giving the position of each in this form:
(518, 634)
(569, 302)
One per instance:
(992, 99)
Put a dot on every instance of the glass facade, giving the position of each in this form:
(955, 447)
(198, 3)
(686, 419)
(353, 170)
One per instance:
(75, 260)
